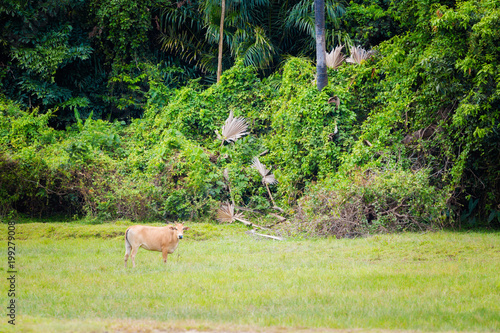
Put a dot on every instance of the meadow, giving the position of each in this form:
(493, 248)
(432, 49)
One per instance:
(71, 278)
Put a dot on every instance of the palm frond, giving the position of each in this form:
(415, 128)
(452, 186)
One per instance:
(259, 166)
(334, 10)
(253, 45)
(233, 129)
(358, 55)
(335, 58)
(301, 16)
(186, 46)
(226, 213)
(267, 176)
(269, 179)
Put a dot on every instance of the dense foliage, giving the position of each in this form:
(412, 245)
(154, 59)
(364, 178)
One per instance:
(408, 139)
(96, 56)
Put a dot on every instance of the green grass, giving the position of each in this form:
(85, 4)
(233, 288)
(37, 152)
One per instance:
(71, 280)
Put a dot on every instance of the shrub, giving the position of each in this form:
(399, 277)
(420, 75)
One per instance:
(366, 201)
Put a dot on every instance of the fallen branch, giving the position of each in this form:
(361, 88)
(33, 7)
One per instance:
(252, 232)
(245, 222)
(279, 217)
(250, 224)
(277, 208)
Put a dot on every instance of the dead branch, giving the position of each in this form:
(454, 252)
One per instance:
(280, 218)
(252, 232)
(277, 208)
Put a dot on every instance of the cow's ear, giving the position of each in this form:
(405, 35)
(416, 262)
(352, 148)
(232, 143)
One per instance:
(173, 227)
(185, 228)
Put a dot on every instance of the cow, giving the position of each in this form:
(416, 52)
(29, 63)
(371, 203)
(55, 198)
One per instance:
(161, 239)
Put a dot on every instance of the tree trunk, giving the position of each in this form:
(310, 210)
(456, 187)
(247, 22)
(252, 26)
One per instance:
(321, 74)
(221, 40)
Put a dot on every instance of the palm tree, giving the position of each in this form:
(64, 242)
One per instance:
(243, 31)
(258, 31)
(183, 35)
(321, 74)
(221, 40)
(301, 18)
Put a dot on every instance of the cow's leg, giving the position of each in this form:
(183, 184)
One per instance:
(165, 254)
(128, 248)
(133, 253)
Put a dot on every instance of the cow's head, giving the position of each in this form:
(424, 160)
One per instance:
(179, 227)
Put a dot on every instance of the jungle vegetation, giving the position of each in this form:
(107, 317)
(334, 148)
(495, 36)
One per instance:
(112, 110)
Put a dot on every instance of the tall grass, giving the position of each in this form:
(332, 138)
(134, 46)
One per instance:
(431, 282)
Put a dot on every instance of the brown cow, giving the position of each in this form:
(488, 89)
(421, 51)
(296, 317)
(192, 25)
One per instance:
(161, 239)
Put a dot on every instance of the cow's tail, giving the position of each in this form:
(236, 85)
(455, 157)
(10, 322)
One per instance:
(128, 246)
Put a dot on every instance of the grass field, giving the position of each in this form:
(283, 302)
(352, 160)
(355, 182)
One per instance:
(71, 279)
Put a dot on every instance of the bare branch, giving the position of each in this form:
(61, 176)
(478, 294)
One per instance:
(226, 178)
